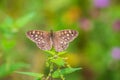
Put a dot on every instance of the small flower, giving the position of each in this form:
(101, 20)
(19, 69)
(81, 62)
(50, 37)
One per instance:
(116, 53)
(85, 24)
(116, 25)
(101, 3)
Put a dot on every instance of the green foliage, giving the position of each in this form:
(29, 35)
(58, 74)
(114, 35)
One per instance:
(52, 61)
(50, 53)
(116, 14)
(36, 75)
(24, 20)
(7, 45)
(6, 69)
(58, 61)
(8, 28)
(58, 73)
(98, 36)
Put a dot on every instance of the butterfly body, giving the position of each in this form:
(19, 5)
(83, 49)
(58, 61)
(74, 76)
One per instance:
(59, 39)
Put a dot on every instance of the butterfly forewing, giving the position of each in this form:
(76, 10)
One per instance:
(62, 38)
(41, 38)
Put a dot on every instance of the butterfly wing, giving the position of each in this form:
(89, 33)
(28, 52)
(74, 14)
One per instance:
(62, 38)
(41, 38)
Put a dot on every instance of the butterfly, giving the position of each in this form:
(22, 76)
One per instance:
(59, 39)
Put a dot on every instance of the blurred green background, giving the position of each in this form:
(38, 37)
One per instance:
(96, 49)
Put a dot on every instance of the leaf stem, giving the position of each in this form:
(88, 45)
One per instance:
(50, 72)
(62, 77)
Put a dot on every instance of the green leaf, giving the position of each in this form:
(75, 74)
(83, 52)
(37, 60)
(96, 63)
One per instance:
(6, 27)
(58, 61)
(61, 53)
(38, 79)
(24, 20)
(53, 52)
(6, 69)
(7, 44)
(65, 71)
(6, 23)
(50, 52)
(116, 11)
(37, 75)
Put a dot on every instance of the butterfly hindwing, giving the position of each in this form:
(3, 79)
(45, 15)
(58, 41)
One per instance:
(62, 38)
(41, 38)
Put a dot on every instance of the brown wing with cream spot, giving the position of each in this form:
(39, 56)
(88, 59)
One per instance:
(62, 38)
(41, 38)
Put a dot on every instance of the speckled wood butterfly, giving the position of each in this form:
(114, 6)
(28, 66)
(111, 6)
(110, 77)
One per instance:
(59, 39)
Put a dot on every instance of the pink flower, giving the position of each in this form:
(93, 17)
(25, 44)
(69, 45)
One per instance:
(116, 53)
(116, 25)
(101, 3)
(85, 24)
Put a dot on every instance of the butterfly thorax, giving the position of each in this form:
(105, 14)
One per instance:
(51, 34)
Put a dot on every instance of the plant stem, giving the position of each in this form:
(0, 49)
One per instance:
(62, 77)
(50, 72)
